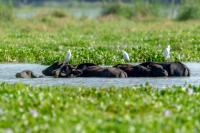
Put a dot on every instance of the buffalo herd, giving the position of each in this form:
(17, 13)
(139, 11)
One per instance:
(146, 69)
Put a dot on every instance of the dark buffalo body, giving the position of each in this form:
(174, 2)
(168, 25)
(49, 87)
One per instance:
(134, 71)
(84, 66)
(49, 71)
(174, 69)
(57, 69)
(97, 71)
(64, 71)
(82, 70)
(157, 71)
(143, 71)
(27, 74)
(147, 69)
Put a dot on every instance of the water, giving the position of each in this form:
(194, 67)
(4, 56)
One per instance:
(8, 71)
(76, 12)
(89, 12)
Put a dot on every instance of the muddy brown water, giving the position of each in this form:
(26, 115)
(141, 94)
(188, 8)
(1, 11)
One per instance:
(8, 71)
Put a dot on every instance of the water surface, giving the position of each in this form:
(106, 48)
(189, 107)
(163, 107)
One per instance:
(76, 12)
(8, 71)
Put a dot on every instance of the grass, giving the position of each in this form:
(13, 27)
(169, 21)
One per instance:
(67, 109)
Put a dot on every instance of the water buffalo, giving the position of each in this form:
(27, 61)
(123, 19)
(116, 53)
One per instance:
(174, 69)
(124, 66)
(134, 71)
(49, 70)
(83, 70)
(97, 71)
(27, 74)
(64, 71)
(158, 71)
(57, 69)
(85, 65)
(142, 71)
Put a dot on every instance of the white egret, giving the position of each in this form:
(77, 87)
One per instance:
(66, 61)
(166, 52)
(125, 56)
(67, 57)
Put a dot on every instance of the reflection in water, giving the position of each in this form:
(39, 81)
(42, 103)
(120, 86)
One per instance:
(8, 71)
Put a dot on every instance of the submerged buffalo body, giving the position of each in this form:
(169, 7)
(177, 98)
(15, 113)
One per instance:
(174, 69)
(57, 69)
(147, 69)
(82, 70)
(143, 71)
(49, 71)
(158, 71)
(84, 66)
(27, 74)
(134, 71)
(97, 71)
(64, 72)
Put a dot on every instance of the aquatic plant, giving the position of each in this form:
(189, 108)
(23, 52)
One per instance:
(45, 109)
(132, 10)
(187, 12)
(97, 41)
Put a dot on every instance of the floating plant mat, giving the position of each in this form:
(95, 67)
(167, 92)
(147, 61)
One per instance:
(8, 71)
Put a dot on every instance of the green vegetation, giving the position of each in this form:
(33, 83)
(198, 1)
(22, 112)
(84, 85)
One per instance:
(186, 10)
(45, 39)
(139, 10)
(68, 109)
(6, 11)
(189, 11)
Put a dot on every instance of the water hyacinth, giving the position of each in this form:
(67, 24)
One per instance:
(190, 91)
(100, 46)
(78, 128)
(34, 112)
(167, 113)
(183, 89)
(1, 111)
(91, 109)
(8, 130)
